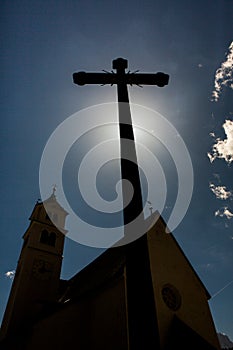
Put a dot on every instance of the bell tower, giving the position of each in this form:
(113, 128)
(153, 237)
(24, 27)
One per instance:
(37, 278)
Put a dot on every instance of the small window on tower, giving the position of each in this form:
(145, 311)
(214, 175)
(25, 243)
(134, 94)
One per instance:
(44, 237)
(52, 239)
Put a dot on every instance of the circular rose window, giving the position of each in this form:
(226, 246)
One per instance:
(171, 297)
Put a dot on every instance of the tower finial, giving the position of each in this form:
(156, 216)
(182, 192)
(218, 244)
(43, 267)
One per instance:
(151, 208)
(54, 189)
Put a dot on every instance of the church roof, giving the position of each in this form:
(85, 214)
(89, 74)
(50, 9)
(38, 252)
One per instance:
(100, 271)
(53, 201)
(107, 265)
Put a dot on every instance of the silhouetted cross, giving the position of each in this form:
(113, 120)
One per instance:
(129, 170)
(142, 322)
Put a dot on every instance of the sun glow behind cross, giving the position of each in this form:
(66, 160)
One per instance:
(83, 157)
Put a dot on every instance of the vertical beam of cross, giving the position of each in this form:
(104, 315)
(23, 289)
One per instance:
(142, 322)
(129, 165)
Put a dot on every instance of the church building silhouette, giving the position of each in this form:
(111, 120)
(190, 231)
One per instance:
(91, 310)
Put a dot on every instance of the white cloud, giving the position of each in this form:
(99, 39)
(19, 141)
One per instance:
(10, 274)
(228, 213)
(223, 148)
(220, 191)
(224, 212)
(211, 158)
(224, 75)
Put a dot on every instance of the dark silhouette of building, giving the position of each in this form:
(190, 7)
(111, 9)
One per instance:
(90, 311)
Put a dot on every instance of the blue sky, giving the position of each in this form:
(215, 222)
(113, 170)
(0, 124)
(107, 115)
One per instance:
(43, 43)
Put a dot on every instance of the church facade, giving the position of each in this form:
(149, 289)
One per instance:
(145, 295)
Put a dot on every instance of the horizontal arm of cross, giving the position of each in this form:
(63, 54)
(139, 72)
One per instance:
(159, 79)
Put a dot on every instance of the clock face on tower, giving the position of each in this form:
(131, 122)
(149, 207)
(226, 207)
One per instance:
(42, 269)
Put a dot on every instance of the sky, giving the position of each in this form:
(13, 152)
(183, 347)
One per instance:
(44, 42)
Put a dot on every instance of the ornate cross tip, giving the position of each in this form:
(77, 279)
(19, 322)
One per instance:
(54, 189)
(120, 63)
(79, 78)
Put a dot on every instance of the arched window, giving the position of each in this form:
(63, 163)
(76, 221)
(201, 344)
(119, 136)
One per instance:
(44, 237)
(52, 239)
